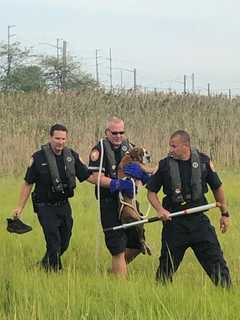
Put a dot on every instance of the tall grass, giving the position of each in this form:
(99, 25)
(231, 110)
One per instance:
(213, 123)
(79, 292)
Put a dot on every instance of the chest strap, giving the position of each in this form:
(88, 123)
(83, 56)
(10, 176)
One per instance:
(196, 178)
(109, 152)
(69, 163)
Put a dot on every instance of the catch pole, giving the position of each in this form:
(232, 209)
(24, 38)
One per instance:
(174, 214)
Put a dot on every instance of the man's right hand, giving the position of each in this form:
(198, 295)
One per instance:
(124, 186)
(164, 214)
(17, 212)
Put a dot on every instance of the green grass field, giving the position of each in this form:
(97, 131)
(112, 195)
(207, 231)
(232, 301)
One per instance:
(84, 290)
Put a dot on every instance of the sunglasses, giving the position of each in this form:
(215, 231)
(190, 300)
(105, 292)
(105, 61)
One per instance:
(115, 133)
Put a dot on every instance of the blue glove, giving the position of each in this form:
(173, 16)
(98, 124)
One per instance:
(124, 186)
(135, 171)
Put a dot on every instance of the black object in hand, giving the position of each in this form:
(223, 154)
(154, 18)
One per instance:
(17, 226)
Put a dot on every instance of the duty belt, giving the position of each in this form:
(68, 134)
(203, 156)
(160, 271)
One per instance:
(53, 204)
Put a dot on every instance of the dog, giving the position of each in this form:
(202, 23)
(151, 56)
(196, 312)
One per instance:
(129, 208)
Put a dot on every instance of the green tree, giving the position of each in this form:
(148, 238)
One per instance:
(27, 78)
(21, 70)
(11, 57)
(69, 76)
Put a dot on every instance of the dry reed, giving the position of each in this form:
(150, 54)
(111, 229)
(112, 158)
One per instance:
(150, 119)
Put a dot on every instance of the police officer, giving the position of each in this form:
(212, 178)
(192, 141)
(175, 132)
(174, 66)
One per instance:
(123, 245)
(53, 170)
(185, 175)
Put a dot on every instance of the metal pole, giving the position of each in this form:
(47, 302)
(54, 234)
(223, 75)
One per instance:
(134, 79)
(110, 66)
(193, 83)
(58, 71)
(208, 89)
(184, 84)
(174, 214)
(64, 65)
(121, 79)
(229, 94)
(97, 72)
(9, 54)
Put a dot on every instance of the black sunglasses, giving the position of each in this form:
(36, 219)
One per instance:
(114, 133)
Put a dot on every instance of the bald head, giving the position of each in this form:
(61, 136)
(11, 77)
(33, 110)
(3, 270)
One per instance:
(183, 136)
(179, 144)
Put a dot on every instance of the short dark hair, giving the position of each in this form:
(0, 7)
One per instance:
(185, 137)
(57, 127)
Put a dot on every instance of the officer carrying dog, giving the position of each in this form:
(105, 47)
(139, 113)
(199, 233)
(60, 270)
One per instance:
(184, 175)
(53, 170)
(123, 245)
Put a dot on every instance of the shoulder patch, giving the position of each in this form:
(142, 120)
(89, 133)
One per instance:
(31, 162)
(212, 166)
(94, 155)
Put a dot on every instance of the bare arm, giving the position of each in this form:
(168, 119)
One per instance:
(155, 202)
(104, 181)
(24, 195)
(219, 197)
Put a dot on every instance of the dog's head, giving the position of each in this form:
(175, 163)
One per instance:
(137, 154)
(140, 155)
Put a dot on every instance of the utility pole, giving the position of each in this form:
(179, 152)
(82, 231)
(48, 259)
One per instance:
(185, 84)
(97, 70)
(58, 69)
(208, 89)
(57, 47)
(64, 71)
(110, 68)
(193, 83)
(135, 79)
(121, 79)
(9, 53)
(229, 94)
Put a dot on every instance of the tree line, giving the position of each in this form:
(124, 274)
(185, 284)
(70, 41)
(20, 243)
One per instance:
(21, 70)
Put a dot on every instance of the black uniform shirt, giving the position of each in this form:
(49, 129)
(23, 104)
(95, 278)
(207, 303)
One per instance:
(38, 173)
(94, 165)
(162, 176)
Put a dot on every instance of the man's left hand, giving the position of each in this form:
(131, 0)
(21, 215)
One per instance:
(224, 223)
(135, 171)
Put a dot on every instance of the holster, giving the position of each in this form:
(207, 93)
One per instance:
(34, 202)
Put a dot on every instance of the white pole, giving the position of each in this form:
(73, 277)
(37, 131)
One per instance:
(174, 214)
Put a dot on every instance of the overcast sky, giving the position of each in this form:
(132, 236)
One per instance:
(163, 40)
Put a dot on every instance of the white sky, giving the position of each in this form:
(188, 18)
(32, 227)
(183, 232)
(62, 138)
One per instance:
(163, 40)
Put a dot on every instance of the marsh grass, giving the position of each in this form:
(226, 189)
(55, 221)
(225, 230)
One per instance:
(79, 292)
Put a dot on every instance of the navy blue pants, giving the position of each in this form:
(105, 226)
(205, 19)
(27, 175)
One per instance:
(56, 222)
(196, 232)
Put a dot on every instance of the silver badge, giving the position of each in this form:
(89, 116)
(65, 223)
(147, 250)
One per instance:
(113, 167)
(195, 165)
(69, 159)
(124, 148)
